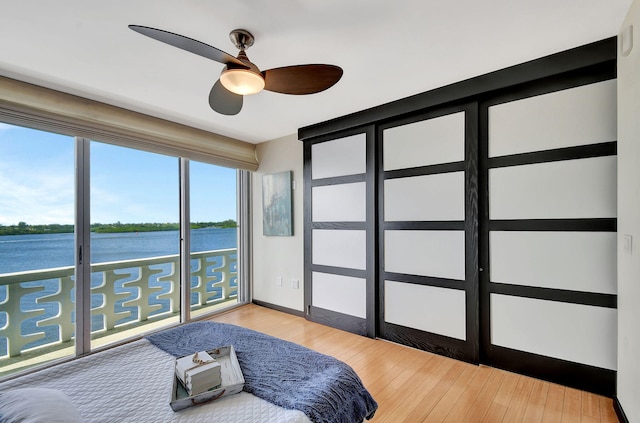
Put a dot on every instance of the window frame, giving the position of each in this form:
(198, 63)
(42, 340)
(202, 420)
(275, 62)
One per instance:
(82, 225)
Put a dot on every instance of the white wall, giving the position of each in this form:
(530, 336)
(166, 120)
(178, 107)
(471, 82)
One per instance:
(628, 391)
(277, 256)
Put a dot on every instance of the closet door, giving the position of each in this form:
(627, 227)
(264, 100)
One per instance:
(339, 231)
(428, 232)
(549, 240)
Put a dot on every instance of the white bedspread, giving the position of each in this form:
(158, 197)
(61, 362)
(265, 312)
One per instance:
(132, 383)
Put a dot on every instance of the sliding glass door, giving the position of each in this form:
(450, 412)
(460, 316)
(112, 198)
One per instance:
(36, 247)
(213, 237)
(135, 242)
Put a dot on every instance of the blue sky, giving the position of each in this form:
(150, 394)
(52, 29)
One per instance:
(129, 186)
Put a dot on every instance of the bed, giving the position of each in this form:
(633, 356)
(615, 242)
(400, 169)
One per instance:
(284, 382)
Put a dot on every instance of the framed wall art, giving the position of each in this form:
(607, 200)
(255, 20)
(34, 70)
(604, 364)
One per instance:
(276, 204)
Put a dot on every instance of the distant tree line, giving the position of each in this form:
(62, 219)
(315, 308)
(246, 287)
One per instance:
(23, 228)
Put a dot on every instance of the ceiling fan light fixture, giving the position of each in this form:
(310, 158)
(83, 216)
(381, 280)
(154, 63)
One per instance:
(240, 77)
(242, 81)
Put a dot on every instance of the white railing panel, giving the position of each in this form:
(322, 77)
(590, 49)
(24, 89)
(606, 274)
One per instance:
(37, 307)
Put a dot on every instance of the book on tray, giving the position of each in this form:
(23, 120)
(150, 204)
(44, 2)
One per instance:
(198, 372)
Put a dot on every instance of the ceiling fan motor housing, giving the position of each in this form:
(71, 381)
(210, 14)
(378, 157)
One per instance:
(241, 38)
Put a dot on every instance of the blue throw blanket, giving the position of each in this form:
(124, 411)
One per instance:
(281, 372)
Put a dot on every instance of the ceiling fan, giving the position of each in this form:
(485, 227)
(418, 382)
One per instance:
(241, 77)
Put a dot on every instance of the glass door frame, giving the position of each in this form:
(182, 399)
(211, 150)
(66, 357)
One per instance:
(83, 246)
(83, 242)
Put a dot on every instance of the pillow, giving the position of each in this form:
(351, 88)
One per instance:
(37, 405)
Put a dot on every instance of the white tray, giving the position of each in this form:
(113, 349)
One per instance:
(232, 381)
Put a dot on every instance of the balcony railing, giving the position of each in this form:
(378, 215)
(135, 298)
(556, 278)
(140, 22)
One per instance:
(37, 308)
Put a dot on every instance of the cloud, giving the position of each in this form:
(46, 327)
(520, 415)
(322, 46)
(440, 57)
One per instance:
(35, 197)
(37, 183)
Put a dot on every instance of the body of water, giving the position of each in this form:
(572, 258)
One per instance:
(19, 253)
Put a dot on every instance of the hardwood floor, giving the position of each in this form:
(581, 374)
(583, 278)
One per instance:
(414, 386)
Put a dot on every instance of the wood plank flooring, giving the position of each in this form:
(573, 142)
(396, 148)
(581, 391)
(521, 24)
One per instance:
(415, 386)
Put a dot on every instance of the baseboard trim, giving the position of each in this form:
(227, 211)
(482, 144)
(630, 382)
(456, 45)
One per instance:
(619, 411)
(279, 308)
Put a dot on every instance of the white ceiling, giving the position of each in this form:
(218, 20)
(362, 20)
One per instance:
(388, 50)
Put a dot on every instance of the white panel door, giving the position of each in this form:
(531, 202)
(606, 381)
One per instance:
(549, 286)
(426, 232)
(338, 221)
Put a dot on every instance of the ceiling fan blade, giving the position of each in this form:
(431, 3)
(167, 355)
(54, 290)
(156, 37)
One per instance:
(301, 79)
(188, 44)
(224, 101)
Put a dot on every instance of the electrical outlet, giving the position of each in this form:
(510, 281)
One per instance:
(295, 283)
(279, 281)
